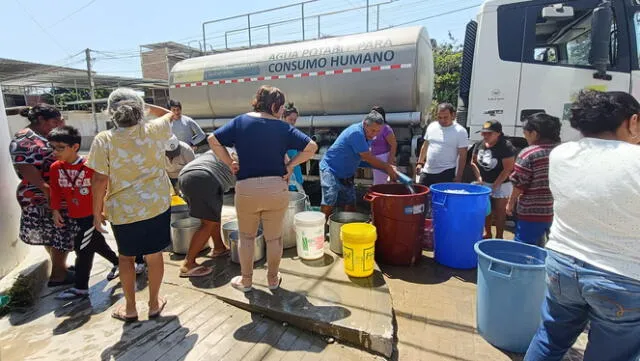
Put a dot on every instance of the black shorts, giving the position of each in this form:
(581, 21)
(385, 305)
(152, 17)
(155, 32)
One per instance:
(144, 237)
(429, 179)
(203, 193)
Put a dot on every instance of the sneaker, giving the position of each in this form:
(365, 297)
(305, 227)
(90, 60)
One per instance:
(113, 274)
(140, 268)
(72, 294)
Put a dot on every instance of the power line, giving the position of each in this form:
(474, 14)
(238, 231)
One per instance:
(72, 13)
(434, 16)
(55, 41)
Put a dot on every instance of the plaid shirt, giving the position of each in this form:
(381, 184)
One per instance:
(531, 176)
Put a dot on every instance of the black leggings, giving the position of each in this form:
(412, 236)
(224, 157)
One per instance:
(88, 242)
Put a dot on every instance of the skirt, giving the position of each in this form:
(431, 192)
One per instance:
(144, 237)
(37, 228)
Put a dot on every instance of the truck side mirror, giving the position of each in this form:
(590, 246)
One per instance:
(601, 39)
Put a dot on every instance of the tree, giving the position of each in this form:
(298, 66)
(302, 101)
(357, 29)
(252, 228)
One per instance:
(447, 64)
(64, 95)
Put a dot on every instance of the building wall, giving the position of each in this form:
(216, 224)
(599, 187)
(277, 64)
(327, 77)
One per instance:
(154, 64)
(13, 250)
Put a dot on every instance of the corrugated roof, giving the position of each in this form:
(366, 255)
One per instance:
(23, 73)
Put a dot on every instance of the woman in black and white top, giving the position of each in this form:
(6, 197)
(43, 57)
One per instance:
(492, 163)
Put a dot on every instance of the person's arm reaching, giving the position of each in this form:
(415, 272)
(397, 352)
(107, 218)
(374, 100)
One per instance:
(302, 156)
(33, 176)
(377, 163)
(157, 111)
(462, 162)
(507, 165)
(99, 188)
(393, 145)
(474, 167)
(422, 158)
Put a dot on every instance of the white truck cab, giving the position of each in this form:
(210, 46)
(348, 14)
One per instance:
(522, 57)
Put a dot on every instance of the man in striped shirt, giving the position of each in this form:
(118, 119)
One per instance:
(530, 179)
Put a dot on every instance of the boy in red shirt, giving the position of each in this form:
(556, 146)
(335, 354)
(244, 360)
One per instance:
(70, 183)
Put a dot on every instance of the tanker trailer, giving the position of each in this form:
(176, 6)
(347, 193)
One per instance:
(333, 82)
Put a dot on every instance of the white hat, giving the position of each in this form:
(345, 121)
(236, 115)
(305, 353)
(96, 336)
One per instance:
(172, 144)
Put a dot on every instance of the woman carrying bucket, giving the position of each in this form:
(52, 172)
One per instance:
(261, 140)
(492, 163)
(530, 179)
(593, 262)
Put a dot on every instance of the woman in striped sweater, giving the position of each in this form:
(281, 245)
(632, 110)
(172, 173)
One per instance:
(530, 179)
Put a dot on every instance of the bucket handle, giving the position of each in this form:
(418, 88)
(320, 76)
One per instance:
(369, 197)
(501, 270)
(444, 201)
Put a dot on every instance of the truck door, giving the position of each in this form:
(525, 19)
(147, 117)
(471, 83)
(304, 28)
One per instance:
(555, 59)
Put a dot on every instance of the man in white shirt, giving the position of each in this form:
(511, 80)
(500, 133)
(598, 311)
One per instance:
(444, 152)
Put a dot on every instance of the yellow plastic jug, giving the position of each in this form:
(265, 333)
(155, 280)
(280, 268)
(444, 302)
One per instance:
(358, 248)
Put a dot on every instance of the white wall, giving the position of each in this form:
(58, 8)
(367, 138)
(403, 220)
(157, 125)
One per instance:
(79, 119)
(12, 250)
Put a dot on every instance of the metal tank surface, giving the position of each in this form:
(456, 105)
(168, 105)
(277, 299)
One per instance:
(328, 77)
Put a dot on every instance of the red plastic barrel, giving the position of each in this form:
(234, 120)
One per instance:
(399, 219)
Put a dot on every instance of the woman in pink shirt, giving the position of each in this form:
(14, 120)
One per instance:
(384, 147)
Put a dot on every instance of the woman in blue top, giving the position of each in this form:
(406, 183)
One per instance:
(290, 116)
(261, 140)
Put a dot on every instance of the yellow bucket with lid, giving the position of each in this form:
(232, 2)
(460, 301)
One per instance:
(358, 248)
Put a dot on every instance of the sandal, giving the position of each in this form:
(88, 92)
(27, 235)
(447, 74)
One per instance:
(156, 314)
(236, 282)
(72, 294)
(121, 314)
(198, 271)
(69, 279)
(276, 285)
(224, 253)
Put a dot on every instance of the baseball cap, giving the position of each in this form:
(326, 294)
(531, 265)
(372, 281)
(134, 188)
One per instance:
(172, 144)
(491, 126)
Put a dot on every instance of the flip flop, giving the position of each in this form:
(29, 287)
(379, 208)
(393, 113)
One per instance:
(198, 271)
(224, 253)
(236, 282)
(120, 314)
(156, 314)
(69, 279)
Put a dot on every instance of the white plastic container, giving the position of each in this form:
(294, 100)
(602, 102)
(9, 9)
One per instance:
(310, 234)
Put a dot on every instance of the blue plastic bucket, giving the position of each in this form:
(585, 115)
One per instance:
(458, 212)
(510, 291)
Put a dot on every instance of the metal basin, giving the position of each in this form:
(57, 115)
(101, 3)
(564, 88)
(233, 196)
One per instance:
(230, 239)
(297, 204)
(336, 221)
(182, 231)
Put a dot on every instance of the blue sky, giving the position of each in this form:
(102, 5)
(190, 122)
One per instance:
(53, 32)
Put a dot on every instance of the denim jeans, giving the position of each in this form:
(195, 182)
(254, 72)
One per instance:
(577, 294)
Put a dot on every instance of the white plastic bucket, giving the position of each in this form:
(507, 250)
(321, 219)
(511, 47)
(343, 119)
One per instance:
(309, 234)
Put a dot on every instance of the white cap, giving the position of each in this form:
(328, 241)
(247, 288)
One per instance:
(172, 144)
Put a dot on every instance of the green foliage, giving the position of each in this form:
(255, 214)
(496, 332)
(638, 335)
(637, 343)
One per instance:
(447, 64)
(64, 95)
(21, 295)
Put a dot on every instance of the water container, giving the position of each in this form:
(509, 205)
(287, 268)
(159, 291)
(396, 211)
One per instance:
(458, 212)
(398, 215)
(297, 204)
(510, 291)
(358, 248)
(310, 234)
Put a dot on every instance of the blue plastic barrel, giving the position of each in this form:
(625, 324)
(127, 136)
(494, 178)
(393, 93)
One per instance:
(511, 288)
(458, 212)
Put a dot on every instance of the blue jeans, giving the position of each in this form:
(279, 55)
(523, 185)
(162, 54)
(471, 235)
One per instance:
(577, 294)
(531, 232)
(334, 192)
